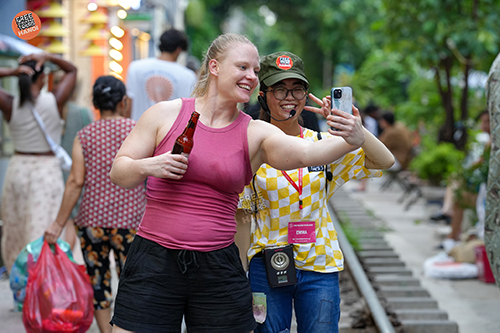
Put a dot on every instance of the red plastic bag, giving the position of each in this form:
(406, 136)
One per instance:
(59, 296)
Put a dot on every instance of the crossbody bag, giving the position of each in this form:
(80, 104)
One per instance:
(61, 154)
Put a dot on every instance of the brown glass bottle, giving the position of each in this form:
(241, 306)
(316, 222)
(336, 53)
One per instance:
(184, 142)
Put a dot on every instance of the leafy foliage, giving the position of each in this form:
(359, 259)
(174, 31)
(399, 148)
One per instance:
(353, 234)
(201, 27)
(382, 79)
(436, 161)
(411, 57)
(469, 177)
(451, 37)
(423, 103)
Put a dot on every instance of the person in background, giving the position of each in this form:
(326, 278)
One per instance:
(281, 200)
(396, 137)
(154, 80)
(193, 64)
(462, 189)
(183, 260)
(33, 185)
(370, 121)
(371, 118)
(75, 117)
(108, 215)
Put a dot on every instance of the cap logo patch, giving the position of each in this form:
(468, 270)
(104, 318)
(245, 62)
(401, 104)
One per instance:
(284, 62)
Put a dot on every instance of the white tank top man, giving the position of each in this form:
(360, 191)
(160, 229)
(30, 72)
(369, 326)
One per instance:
(154, 80)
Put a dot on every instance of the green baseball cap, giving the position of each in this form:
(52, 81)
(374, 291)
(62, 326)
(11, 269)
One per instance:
(279, 66)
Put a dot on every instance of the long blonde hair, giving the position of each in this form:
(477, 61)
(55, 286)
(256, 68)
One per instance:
(217, 50)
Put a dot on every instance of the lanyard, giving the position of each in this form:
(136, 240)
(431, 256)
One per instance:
(290, 180)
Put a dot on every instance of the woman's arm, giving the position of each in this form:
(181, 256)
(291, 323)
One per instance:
(242, 236)
(72, 192)
(268, 144)
(65, 88)
(378, 156)
(134, 162)
(6, 99)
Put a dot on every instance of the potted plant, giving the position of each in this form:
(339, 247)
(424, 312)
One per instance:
(435, 162)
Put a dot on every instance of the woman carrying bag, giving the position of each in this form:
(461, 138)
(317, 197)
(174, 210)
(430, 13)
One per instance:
(108, 215)
(33, 186)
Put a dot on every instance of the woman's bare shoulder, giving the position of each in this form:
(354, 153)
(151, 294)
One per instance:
(165, 109)
(161, 113)
(161, 116)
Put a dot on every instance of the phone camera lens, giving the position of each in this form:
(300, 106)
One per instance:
(337, 93)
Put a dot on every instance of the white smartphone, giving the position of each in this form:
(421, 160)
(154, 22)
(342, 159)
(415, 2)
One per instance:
(341, 99)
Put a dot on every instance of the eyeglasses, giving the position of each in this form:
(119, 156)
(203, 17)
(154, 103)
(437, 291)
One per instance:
(282, 93)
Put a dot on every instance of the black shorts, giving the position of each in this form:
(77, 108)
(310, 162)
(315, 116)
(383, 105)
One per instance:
(158, 286)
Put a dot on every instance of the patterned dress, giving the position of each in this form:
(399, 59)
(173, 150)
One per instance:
(105, 204)
(108, 214)
(33, 185)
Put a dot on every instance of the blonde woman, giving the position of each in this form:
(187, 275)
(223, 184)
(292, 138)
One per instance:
(183, 261)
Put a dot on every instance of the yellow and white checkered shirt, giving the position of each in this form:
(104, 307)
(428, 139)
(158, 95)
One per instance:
(275, 202)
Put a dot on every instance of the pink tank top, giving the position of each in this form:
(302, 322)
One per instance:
(197, 212)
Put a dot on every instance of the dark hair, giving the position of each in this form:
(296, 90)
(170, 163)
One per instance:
(371, 108)
(25, 82)
(108, 91)
(478, 117)
(389, 117)
(263, 113)
(171, 39)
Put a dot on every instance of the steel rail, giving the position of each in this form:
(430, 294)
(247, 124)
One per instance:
(379, 315)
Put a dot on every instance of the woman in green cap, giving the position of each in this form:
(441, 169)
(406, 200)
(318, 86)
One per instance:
(290, 208)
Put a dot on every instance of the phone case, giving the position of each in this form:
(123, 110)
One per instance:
(344, 103)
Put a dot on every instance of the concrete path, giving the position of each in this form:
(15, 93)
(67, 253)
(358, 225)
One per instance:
(474, 305)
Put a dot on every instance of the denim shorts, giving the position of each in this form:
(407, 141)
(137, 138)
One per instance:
(158, 286)
(315, 298)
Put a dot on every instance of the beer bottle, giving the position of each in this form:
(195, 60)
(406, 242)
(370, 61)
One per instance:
(184, 142)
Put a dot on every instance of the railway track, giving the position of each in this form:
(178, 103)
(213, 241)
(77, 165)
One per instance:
(379, 294)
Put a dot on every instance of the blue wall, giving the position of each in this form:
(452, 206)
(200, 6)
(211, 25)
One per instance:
(9, 9)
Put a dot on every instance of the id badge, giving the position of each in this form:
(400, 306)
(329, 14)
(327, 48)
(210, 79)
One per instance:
(301, 232)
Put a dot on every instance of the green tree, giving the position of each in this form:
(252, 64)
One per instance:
(383, 79)
(326, 33)
(322, 33)
(450, 37)
(202, 25)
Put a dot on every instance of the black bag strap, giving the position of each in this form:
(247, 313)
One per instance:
(256, 198)
(328, 174)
